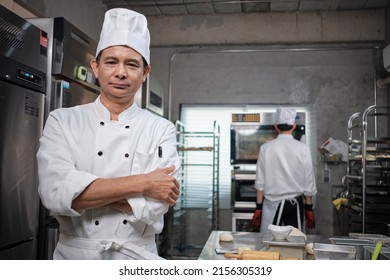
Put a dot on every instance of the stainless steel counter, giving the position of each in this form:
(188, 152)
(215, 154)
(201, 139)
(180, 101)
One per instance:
(249, 240)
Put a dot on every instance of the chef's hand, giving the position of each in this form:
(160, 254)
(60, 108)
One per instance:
(256, 220)
(162, 186)
(309, 216)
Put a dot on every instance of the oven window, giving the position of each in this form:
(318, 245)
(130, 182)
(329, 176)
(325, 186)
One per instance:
(243, 225)
(245, 191)
(242, 222)
(246, 141)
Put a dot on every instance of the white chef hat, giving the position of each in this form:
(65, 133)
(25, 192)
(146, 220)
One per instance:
(285, 115)
(125, 27)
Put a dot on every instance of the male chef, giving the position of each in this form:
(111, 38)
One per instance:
(285, 180)
(106, 169)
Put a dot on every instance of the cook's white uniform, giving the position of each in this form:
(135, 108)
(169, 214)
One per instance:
(284, 171)
(81, 144)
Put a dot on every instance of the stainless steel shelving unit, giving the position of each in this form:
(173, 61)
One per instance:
(206, 146)
(368, 171)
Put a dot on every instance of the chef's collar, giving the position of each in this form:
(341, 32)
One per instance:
(105, 115)
(285, 136)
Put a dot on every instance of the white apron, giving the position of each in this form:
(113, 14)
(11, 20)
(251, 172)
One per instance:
(70, 247)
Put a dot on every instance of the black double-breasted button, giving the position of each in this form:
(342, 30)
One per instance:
(127, 155)
(100, 153)
(96, 223)
(127, 126)
(101, 123)
(124, 222)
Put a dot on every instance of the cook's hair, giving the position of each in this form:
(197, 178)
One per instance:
(284, 127)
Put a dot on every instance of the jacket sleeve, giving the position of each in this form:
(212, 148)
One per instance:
(147, 209)
(310, 188)
(259, 182)
(59, 180)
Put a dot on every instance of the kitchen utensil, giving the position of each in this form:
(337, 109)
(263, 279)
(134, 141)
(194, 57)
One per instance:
(257, 255)
(292, 241)
(324, 251)
(377, 251)
(291, 247)
(356, 242)
(223, 251)
(280, 232)
(383, 255)
(254, 255)
(372, 237)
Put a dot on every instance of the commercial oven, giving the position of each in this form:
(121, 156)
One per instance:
(243, 199)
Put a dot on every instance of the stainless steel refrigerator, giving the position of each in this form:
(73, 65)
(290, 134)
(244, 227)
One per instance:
(70, 78)
(23, 62)
(70, 83)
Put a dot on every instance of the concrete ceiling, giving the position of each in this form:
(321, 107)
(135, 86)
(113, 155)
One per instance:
(206, 7)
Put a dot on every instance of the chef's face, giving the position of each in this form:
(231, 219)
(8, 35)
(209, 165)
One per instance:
(120, 71)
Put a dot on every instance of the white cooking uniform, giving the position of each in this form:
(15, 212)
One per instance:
(284, 171)
(81, 144)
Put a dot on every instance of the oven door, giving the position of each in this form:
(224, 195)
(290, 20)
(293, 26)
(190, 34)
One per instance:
(243, 191)
(246, 140)
(241, 221)
(243, 200)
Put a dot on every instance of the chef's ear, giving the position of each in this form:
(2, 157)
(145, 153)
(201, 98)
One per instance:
(294, 126)
(147, 70)
(94, 65)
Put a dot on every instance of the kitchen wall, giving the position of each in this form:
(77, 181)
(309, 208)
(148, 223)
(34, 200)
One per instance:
(330, 60)
(17, 9)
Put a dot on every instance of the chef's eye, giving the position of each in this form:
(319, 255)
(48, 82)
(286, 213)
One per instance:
(133, 65)
(110, 62)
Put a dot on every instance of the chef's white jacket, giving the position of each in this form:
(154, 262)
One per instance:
(81, 144)
(284, 169)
